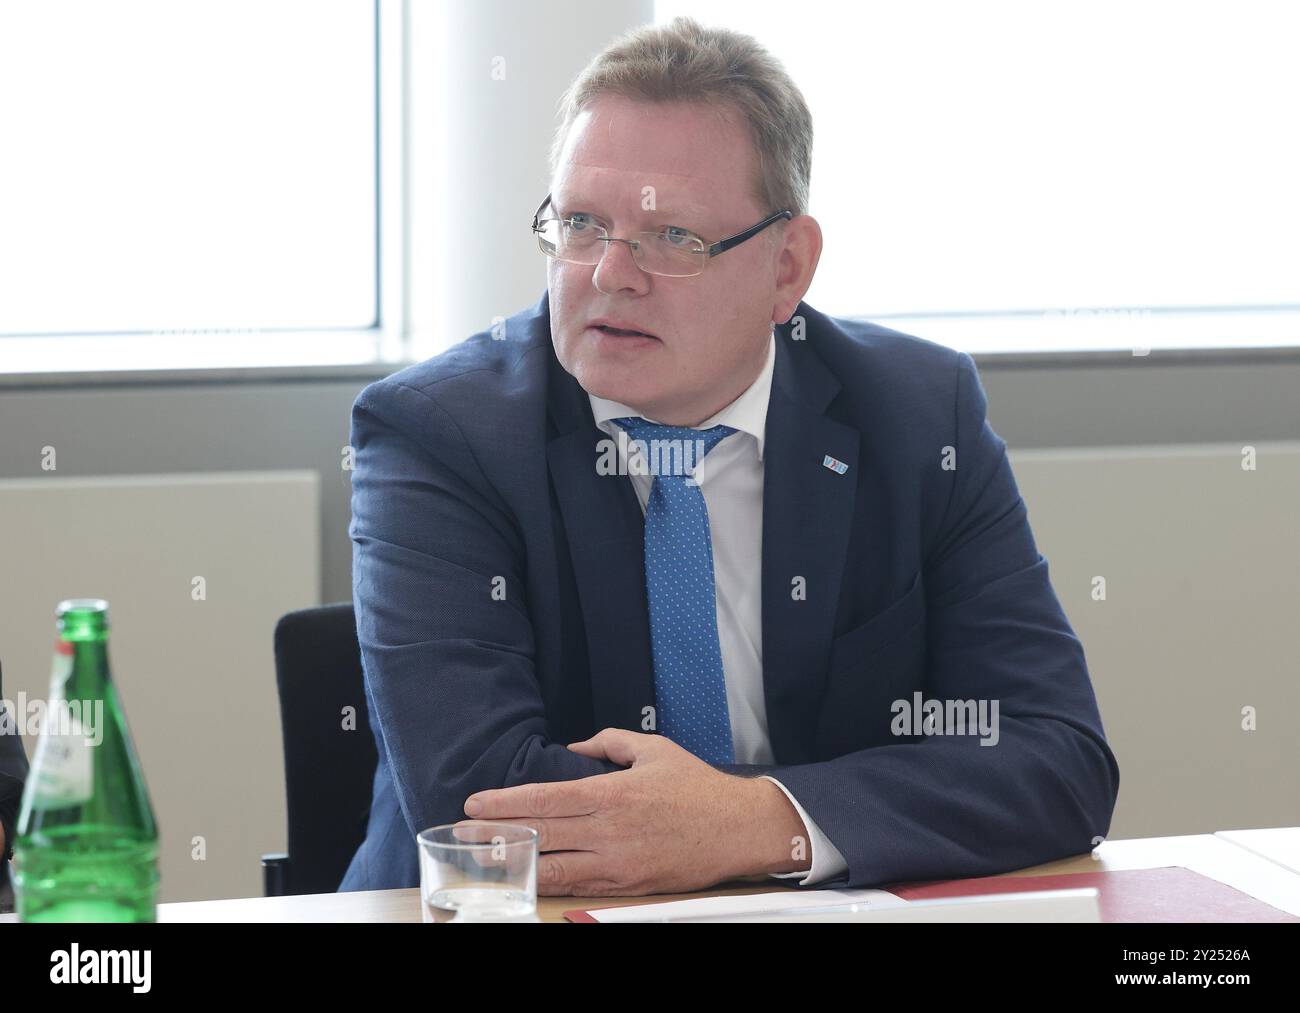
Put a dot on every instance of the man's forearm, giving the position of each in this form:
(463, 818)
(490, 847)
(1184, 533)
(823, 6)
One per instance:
(948, 808)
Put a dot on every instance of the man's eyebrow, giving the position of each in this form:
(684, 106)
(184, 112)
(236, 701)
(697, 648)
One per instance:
(683, 209)
(671, 211)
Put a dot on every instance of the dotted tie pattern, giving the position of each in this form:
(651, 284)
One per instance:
(690, 690)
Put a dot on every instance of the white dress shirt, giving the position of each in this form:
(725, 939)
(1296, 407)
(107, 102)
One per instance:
(731, 479)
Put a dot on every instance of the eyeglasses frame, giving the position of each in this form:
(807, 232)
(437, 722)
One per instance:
(721, 246)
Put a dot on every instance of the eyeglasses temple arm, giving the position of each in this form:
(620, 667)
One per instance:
(723, 245)
(538, 212)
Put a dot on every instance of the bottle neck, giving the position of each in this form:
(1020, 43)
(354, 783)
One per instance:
(80, 669)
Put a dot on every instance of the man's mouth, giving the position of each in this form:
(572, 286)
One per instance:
(619, 332)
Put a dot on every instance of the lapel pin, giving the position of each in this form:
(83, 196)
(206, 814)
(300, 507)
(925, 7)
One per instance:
(839, 467)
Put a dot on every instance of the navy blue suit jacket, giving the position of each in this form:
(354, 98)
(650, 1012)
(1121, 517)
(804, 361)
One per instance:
(480, 464)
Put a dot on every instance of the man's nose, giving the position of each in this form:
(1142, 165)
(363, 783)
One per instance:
(618, 269)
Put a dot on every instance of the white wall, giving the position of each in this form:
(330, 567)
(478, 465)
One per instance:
(196, 677)
(489, 153)
(1202, 590)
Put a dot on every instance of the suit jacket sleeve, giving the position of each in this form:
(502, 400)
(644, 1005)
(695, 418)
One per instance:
(448, 665)
(946, 806)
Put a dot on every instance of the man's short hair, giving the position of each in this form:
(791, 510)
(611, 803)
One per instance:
(683, 61)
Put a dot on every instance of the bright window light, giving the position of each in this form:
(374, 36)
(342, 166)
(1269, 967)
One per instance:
(1027, 176)
(186, 166)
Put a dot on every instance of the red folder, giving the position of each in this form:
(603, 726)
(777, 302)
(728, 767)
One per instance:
(1172, 894)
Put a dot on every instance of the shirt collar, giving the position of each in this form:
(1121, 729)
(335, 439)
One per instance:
(746, 414)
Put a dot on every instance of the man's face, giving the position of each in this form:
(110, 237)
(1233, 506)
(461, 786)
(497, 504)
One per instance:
(710, 332)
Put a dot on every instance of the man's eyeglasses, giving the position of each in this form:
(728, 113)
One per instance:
(672, 251)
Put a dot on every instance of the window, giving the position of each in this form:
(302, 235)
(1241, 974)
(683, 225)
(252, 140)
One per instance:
(1013, 175)
(180, 167)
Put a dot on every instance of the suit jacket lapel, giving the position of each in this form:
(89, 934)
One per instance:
(606, 536)
(807, 518)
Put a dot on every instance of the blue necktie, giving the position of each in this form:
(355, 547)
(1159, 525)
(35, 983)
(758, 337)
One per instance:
(690, 691)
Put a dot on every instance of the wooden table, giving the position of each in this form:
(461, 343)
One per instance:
(1216, 856)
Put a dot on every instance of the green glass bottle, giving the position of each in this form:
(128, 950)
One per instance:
(86, 848)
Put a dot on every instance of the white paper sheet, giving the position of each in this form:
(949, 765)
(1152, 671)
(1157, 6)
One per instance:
(750, 905)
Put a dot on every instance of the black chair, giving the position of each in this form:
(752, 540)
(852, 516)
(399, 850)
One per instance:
(328, 766)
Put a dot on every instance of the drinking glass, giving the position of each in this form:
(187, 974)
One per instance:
(478, 871)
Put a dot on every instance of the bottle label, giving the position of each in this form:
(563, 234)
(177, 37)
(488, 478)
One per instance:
(63, 767)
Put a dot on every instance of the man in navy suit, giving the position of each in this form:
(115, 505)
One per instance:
(697, 581)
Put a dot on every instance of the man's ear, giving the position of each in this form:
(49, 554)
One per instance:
(800, 252)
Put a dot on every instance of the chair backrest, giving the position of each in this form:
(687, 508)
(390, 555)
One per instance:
(329, 753)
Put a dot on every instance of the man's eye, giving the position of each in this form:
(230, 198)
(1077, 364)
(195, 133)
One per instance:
(678, 237)
(578, 222)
